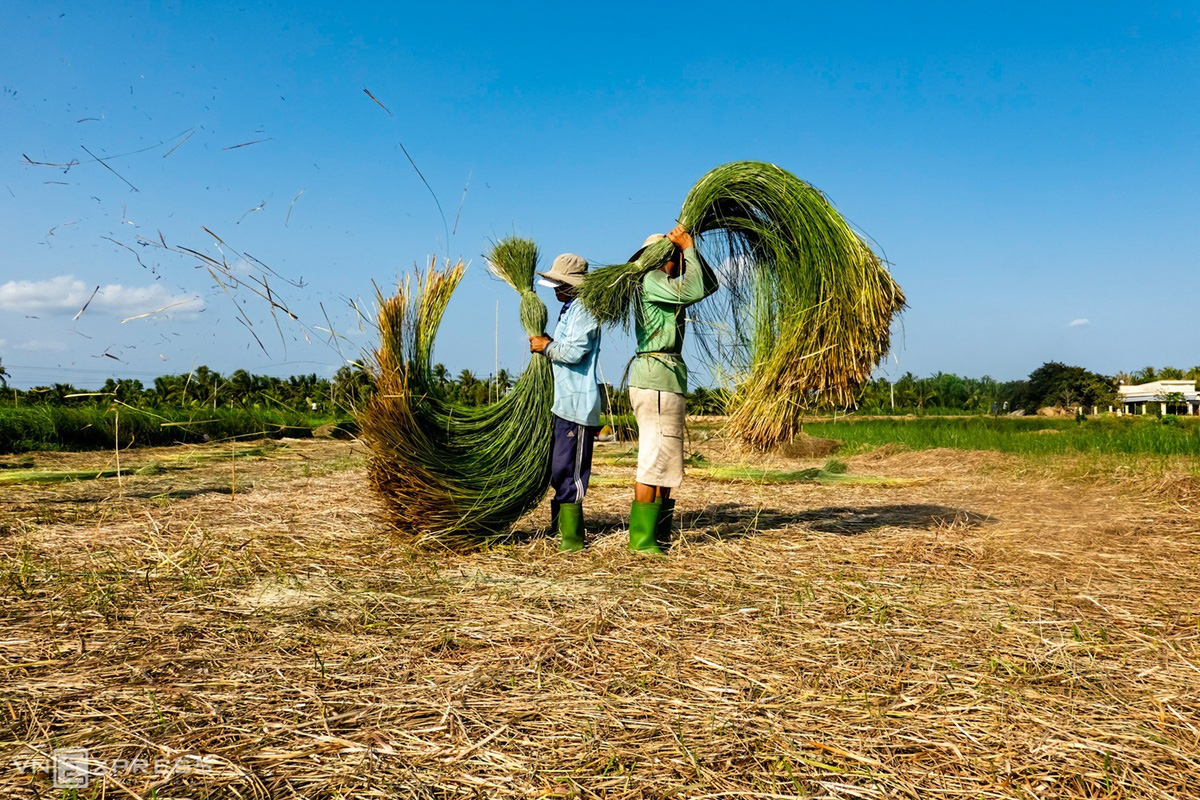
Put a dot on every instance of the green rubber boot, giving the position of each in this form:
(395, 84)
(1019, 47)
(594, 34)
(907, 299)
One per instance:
(570, 527)
(666, 520)
(643, 519)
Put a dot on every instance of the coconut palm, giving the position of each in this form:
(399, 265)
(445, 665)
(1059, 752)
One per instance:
(465, 386)
(1144, 375)
(441, 375)
(924, 393)
(241, 383)
(503, 382)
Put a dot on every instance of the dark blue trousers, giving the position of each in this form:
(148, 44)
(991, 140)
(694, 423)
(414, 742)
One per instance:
(571, 460)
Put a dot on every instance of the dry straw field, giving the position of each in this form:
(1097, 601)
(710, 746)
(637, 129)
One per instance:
(235, 616)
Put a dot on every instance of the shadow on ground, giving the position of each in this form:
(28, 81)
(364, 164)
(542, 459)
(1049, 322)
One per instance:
(734, 520)
(97, 497)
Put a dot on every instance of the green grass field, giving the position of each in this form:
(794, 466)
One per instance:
(31, 428)
(1023, 435)
(46, 427)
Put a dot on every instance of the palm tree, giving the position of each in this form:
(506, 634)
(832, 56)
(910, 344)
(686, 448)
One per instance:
(3, 375)
(1144, 375)
(905, 388)
(481, 394)
(923, 392)
(875, 394)
(441, 375)
(57, 394)
(464, 387)
(503, 381)
(241, 383)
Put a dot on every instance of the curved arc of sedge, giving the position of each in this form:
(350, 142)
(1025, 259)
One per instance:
(807, 302)
(451, 474)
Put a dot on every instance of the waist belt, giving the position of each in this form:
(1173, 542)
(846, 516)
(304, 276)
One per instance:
(656, 354)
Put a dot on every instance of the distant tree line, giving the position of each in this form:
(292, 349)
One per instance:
(207, 388)
(1051, 384)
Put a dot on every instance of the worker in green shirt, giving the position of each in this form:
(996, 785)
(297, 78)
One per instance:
(658, 382)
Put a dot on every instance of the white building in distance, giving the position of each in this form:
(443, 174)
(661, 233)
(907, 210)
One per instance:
(1166, 394)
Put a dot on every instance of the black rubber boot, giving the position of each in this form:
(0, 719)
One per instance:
(666, 520)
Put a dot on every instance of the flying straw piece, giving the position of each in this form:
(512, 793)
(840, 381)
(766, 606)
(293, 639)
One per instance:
(102, 163)
(158, 311)
(246, 144)
(66, 164)
(290, 206)
(85, 305)
(462, 202)
(177, 146)
(381, 105)
(258, 207)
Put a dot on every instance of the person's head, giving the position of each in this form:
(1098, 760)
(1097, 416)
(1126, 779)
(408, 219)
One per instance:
(671, 265)
(565, 275)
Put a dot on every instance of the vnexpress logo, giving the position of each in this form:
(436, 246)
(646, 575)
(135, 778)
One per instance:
(71, 768)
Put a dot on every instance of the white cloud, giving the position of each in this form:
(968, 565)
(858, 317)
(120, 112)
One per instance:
(66, 294)
(1078, 323)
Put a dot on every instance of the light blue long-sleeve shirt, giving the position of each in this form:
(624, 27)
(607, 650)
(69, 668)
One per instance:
(574, 354)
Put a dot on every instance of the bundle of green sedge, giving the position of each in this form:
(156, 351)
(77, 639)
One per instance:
(456, 475)
(807, 309)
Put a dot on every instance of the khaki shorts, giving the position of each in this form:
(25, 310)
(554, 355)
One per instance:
(660, 436)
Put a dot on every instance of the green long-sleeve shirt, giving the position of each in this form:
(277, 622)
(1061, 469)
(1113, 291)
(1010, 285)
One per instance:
(660, 323)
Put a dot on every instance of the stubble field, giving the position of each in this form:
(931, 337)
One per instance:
(236, 621)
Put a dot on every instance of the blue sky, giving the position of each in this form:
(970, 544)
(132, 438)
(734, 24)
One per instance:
(1024, 167)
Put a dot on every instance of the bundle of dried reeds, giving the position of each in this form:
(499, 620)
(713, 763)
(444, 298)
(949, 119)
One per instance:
(450, 473)
(808, 305)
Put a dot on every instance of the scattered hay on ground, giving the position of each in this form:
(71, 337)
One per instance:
(983, 633)
(805, 446)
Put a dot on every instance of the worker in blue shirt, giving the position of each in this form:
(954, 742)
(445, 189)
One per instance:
(574, 351)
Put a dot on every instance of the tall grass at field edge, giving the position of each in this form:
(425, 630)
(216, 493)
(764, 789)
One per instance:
(46, 427)
(1025, 436)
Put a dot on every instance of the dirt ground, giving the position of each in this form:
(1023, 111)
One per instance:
(237, 622)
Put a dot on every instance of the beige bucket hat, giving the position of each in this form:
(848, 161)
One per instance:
(651, 239)
(567, 269)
